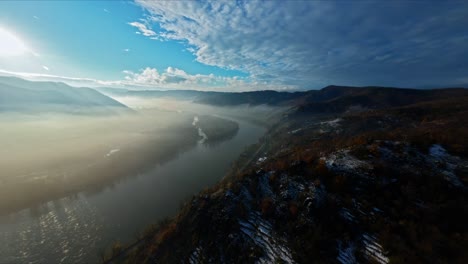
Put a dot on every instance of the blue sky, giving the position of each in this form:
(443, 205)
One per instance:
(237, 45)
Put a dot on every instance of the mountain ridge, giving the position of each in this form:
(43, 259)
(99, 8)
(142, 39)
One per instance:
(20, 95)
(298, 98)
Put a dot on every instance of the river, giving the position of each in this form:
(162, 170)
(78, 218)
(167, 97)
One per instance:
(77, 229)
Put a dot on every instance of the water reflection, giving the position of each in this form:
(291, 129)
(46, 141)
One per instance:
(75, 229)
(61, 231)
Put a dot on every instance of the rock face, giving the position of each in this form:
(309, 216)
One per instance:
(387, 186)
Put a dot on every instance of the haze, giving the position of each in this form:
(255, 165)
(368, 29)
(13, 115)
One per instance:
(246, 131)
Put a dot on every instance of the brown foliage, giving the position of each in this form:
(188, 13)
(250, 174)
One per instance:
(266, 206)
(293, 209)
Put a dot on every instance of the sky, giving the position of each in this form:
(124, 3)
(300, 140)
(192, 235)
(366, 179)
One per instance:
(236, 45)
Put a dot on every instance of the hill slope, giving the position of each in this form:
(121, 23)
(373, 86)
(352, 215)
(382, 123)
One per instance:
(369, 186)
(27, 96)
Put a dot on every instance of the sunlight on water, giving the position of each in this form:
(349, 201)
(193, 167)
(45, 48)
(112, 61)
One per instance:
(78, 228)
(65, 229)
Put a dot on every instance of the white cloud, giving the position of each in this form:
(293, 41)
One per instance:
(149, 78)
(143, 29)
(126, 50)
(174, 78)
(105, 10)
(315, 43)
(45, 67)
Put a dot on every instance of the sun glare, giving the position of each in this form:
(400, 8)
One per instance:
(10, 45)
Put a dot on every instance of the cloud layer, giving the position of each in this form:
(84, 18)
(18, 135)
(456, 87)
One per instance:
(173, 78)
(150, 78)
(315, 43)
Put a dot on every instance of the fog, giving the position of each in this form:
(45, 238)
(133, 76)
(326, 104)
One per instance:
(88, 178)
(261, 114)
(51, 155)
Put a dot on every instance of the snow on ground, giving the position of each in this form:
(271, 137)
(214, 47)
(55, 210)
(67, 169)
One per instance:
(289, 189)
(452, 178)
(358, 207)
(373, 250)
(438, 155)
(377, 210)
(196, 257)
(259, 231)
(343, 161)
(261, 160)
(437, 151)
(346, 214)
(346, 253)
(295, 131)
(333, 123)
(438, 158)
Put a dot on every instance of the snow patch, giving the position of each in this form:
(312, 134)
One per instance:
(295, 131)
(438, 155)
(377, 210)
(373, 250)
(346, 253)
(437, 151)
(259, 231)
(343, 161)
(195, 257)
(333, 123)
(289, 189)
(346, 214)
(261, 160)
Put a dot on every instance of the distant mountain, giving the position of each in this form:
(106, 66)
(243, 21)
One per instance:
(339, 99)
(20, 95)
(250, 98)
(331, 99)
(213, 98)
(177, 94)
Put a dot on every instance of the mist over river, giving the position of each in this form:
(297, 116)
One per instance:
(76, 229)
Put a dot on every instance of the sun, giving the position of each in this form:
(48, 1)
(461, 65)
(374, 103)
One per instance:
(10, 45)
